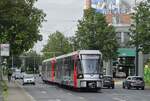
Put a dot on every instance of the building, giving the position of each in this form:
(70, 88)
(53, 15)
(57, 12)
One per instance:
(117, 13)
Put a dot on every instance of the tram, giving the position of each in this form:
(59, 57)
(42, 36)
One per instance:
(80, 69)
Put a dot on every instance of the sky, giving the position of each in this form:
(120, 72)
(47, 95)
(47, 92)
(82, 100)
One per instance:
(61, 15)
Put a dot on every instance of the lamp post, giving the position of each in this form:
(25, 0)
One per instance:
(137, 60)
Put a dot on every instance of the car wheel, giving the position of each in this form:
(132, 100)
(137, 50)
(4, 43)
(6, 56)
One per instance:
(33, 83)
(113, 87)
(137, 88)
(123, 86)
(129, 87)
(143, 88)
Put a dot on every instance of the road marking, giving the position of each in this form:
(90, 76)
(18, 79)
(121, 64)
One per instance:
(118, 99)
(44, 92)
(69, 93)
(54, 100)
(81, 97)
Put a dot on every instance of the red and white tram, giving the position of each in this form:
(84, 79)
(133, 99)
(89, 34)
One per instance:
(79, 69)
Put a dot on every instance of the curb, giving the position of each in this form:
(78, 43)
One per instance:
(30, 97)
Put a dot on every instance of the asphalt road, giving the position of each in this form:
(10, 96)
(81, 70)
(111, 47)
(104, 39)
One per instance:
(46, 92)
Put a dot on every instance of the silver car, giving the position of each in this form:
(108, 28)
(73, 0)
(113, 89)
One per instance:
(134, 82)
(28, 79)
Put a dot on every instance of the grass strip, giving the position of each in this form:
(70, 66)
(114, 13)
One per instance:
(4, 90)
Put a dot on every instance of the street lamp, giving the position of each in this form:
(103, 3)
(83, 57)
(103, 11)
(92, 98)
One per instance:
(137, 58)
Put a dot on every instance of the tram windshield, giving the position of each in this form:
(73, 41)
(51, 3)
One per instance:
(90, 64)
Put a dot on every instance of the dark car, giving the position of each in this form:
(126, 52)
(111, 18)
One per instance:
(108, 81)
(134, 82)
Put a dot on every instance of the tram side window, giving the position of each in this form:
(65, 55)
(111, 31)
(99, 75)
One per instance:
(79, 68)
(48, 66)
(59, 66)
(67, 67)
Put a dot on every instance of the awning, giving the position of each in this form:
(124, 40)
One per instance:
(126, 52)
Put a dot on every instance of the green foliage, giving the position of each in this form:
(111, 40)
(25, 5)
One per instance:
(147, 75)
(16, 61)
(141, 27)
(95, 33)
(73, 42)
(57, 44)
(32, 61)
(19, 24)
(4, 88)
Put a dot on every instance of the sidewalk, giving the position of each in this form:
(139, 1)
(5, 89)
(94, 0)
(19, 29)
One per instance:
(1, 97)
(16, 93)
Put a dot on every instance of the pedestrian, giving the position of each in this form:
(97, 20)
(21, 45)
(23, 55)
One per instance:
(9, 74)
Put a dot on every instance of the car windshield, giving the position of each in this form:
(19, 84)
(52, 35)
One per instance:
(107, 78)
(28, 76)
(137, 78)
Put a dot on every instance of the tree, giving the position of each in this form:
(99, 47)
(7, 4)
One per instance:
(57, 44)
(19, 24)
(95, 33)
(73, 42)
(141, 26)
(32, 61)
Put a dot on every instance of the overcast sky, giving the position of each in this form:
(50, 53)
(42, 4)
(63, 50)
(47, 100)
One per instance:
(62, 15)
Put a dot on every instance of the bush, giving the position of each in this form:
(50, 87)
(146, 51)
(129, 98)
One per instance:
(4, 86)
(147, 75)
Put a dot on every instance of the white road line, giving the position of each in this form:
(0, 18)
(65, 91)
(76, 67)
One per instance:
(118, 99)
(81, 97)
(69, 94)
(44, 92)
(54, 100)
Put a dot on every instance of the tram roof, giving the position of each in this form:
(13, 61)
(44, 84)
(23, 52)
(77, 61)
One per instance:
(74, 53)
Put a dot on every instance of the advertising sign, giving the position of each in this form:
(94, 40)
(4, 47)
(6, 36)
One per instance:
(105, 6)
(4, 49)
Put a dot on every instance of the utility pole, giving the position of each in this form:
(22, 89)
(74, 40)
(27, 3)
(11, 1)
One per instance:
(34, 64)
(12, 62)
(137, 60)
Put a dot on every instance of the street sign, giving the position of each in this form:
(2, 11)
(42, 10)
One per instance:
(4, 49)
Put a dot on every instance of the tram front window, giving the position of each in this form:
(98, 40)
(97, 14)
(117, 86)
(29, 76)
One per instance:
(90, 65)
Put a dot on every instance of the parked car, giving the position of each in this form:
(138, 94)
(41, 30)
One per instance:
(108, 81)
(18, 75)
(28, 79)
(134, 82)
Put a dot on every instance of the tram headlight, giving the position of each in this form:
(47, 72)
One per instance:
(101, 76)
(80, 76)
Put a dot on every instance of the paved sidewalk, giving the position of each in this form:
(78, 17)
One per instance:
(1, 97)
(16, 93)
